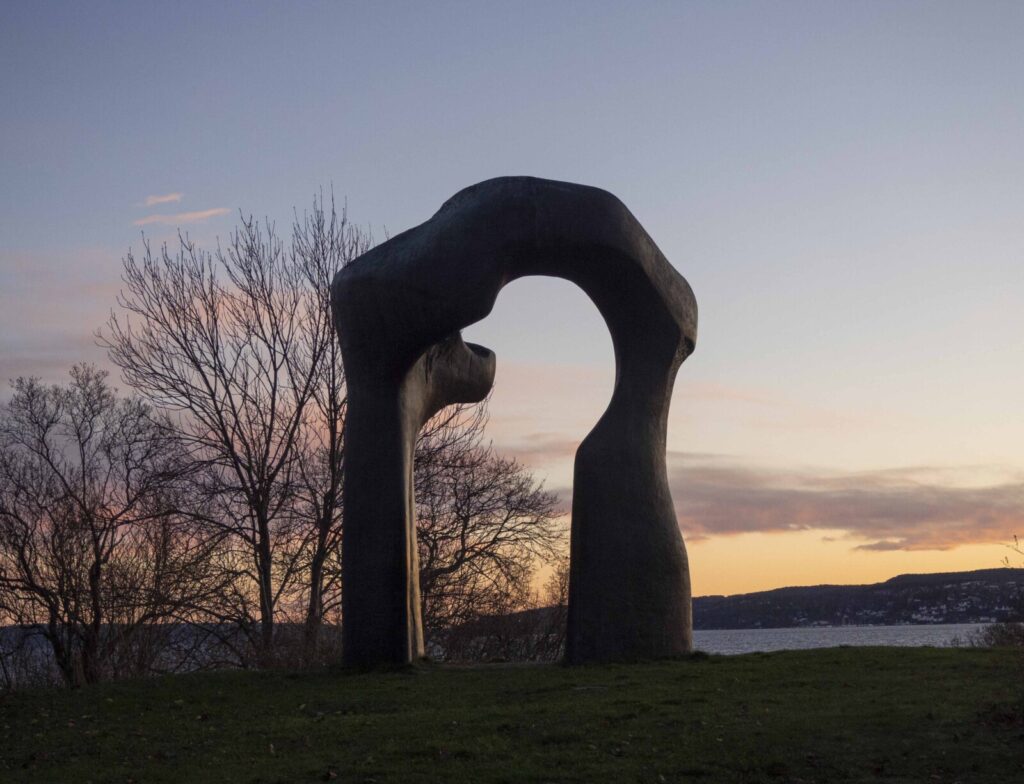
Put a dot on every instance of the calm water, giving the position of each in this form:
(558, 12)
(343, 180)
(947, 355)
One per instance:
(750, 640)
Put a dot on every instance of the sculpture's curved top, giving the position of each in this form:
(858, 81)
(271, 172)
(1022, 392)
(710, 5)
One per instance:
(426, 283)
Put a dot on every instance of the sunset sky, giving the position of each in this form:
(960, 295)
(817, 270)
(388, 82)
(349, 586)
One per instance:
(842, 184)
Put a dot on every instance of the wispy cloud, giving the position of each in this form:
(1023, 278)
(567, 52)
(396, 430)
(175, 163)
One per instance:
(540, 448)
(47, 357)
(709, 391)
(179, 218)
(37, 339)
(921, 508)
(165, 198)
(898, 509)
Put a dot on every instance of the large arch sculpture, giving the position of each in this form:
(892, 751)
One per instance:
(399, 310)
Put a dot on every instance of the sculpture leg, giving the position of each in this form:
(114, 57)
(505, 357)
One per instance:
(381, 611)
(629, 580)
(380, 597)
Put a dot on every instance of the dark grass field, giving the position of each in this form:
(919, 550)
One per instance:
(835, 715)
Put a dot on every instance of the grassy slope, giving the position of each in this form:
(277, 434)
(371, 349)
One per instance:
(854, 714)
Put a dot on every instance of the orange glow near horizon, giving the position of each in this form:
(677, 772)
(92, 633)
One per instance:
(759, 562)
(748, 563)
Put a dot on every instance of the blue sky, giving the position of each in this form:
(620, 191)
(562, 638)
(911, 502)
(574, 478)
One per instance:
(840, 183)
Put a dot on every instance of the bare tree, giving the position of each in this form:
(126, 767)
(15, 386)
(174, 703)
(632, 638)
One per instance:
(323, 241)
(91, 551)
(223, 342)
(483, 525)
(550, 636)
(239, 347)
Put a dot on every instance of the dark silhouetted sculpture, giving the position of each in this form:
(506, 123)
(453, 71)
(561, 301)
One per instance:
(399, 310)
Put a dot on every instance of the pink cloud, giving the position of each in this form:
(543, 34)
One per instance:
(183, 217)
(541, 448)
(165, 198)
(920, 508)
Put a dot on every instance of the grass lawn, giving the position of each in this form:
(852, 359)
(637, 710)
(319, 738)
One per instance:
(835, 715)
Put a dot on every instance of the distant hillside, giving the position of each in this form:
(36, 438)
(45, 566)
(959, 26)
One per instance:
(980, 596)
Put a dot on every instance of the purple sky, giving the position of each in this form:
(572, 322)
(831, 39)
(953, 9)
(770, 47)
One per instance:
(840, 183)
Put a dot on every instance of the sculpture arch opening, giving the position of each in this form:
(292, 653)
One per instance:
(554, 376)
(399, 310)
(553, 380)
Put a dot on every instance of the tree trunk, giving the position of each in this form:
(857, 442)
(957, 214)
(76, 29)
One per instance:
(265, 569)
(315, 610)
(62, 655)
(314, 619)
(91, 666)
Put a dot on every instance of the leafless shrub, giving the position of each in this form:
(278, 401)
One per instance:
(528, 627)
(92, 548)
